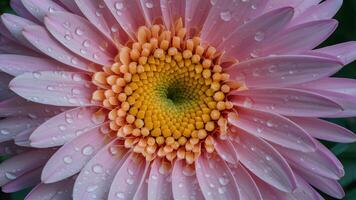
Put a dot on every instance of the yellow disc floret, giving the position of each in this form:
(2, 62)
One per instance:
(166, 94)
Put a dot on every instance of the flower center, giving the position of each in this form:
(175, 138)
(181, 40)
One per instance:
(166, 94)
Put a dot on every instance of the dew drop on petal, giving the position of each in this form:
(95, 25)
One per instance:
(88, 150)
(259, 36)
(67, 159)
(10, 176)
(226, 16)
(98, 169)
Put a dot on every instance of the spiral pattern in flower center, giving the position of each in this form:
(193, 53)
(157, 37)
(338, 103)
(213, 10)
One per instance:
(166, 94)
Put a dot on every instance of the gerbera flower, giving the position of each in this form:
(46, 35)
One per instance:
(160, 99)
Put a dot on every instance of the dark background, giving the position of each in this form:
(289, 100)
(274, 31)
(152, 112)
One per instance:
(345, 152)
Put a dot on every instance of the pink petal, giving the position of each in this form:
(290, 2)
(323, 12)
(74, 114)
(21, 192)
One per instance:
(184, 182)
(324, 130)
(318, 162)
(71, 6)
(345, 51)
(128, 14)
(81, 37)
(298, 38)
(65, 127)
(326, 185)
(54, 191)
(215, 178)
(171, 11)
(25, 181)
(226, 17)
(40, 8)
(128, 177)
(12, 126)
(226, 150)
(142, 189)
(264, 161)
(15, 25)
(20, 164)
(73, 156)
(17, 106)
(325, 10)
(281, 71)
(19, 8)
(99, 15)
(289, 102)
(242, 43)
(54, 88)
(275, 4)
(159, 182)
(44, 41)
(95, 178)
(14, 64)
(274, 128)
(22, 139)
(196, 13)
(248, 187)
(339, 85)
(151, 10)
(8, 46)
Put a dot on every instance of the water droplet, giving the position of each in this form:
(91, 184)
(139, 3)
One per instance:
(120, 195)
(86, 43)
(4, 132)
(213, 2)
(10, 176)
(67, 37)
(50, 9)
(226, 16)
(79, 31)
(119, 5)
(130, 181)
(270, 123)
(223, 181)
(36, 75)
(92, 188)
(98, 169)
(247, 102)
(149, 4)
(259, 36)
(88, 150)
(62, 127)
(269, 158)
(77, 77)
(67, 159)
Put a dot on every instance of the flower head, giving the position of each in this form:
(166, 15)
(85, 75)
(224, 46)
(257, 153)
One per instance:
(159, 99)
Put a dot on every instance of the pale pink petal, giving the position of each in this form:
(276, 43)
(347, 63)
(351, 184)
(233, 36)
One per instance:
(152, 11)
(264, 161)
(73, 156)
(22, 139)
(226, 150)
(275, 4)
(196, 12)
(242, 42)
(5, 33)
(54, 191)
(325, 10)
(10, 47)
(248, 187)
(344, 51)
(96, 177)
(226, 17)
(40, 8)
(318, 162)
(44, 41)
(54, 88)
(72, 6)
(215, 178)
(290, 102)
(78, 35)
(303, 191)
(339, 85)
(142, 188)
(22, 163)
(18, 64)
(159, 181)
(65, 127)
(184, 182)
(20, 9)
(324, 130)
(128, 14)
(27, 180)
(15, 25)
(281, 71)
(274, 128)
(99, 15)
(128, 177)
(9, 148)
(299, 38)
(329, 186)
(17, 106)
(171, 11)
(12, 126)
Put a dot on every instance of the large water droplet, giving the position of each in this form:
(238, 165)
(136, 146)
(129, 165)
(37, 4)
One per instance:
(67, 159)
(226, 16)
(88, 150)
(259, 36)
